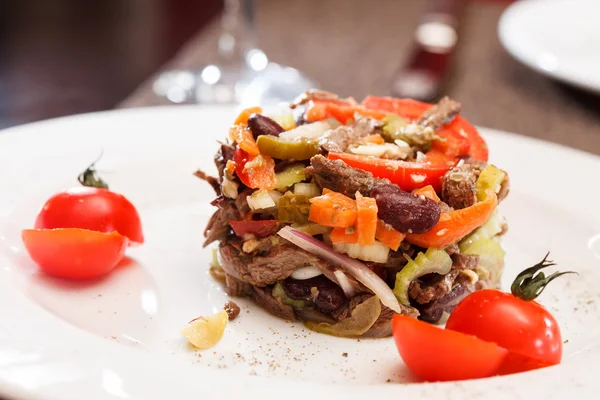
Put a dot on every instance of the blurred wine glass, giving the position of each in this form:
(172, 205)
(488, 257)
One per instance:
(242, 72)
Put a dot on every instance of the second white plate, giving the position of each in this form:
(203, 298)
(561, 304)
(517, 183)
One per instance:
(558, 38)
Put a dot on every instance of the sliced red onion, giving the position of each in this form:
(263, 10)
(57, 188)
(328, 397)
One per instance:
(306, 273)
(344, 283)
(353, 267)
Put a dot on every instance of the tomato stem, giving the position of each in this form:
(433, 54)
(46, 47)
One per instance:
(90, 176)
(530, 283)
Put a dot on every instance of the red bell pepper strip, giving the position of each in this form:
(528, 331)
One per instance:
(407, 175)
(256, 172)
(260, 229)
(461, 138)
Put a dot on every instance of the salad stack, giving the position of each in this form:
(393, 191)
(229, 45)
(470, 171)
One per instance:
(342, 214)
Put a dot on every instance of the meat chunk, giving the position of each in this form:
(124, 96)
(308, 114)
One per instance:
(458, 186)
(264, 298)
(338, 176)
(314, 94)
(211, 180)
(433, 312)
(440, 114)
(224, 154)
(232, 310)
(266, 269)
(236, 288)
(433, 287)
(465, 261)
(439, 286)
(337, 140)
(218, 227)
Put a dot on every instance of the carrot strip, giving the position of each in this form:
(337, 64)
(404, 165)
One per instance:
(243, 136)
(388, 235)
(455, 225)
(428, 191)
(375, 139)
(242, 118)
(343, 235)
(366, 219)
(333, 209)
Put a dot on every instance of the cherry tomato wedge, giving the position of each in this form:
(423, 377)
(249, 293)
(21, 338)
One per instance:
(94, 209)
(525, 328)
(260, 229)
(74, 253)
(407, 175)
(435, 354)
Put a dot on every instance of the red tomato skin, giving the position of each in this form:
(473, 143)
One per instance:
(435, 354)
(524, 328)
(73, 253)
(94, 209)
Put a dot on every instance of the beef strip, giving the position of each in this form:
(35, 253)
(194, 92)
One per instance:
(338, 176)
(218, 227)
(265, 269)
(224, 154)
(458, 186)
(439, 286)
(434, 286)
(212, 181)
(236, 288)
(432, 312)
(465, 261)
(364, 126)
(440, 114)
(314, 94)
(337, 140)
(264, 298)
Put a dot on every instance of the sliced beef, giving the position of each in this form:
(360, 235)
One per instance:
(314, 94)
(338, 176)
(265, 269)
(264, 298)
(224, 154)
(433, 312)
(465, 261)
(434, 286)
(218, 227)
(426, 290)
(458, 186)
(236, 288)
(337, 140)
(452, 249)
(440, 114)
(364, 126)
(211, 180)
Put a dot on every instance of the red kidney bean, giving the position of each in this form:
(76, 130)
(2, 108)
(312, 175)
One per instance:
(261, 125)
(326, 295)
(404, 211)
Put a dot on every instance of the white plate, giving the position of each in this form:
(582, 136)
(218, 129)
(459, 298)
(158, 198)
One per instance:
(120, 338)
(559, 38)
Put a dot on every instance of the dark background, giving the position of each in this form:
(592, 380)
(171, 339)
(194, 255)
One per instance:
(60, 57)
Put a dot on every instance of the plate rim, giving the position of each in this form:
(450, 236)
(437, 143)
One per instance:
(16, 391)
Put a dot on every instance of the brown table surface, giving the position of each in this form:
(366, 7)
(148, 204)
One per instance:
(353, 47)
